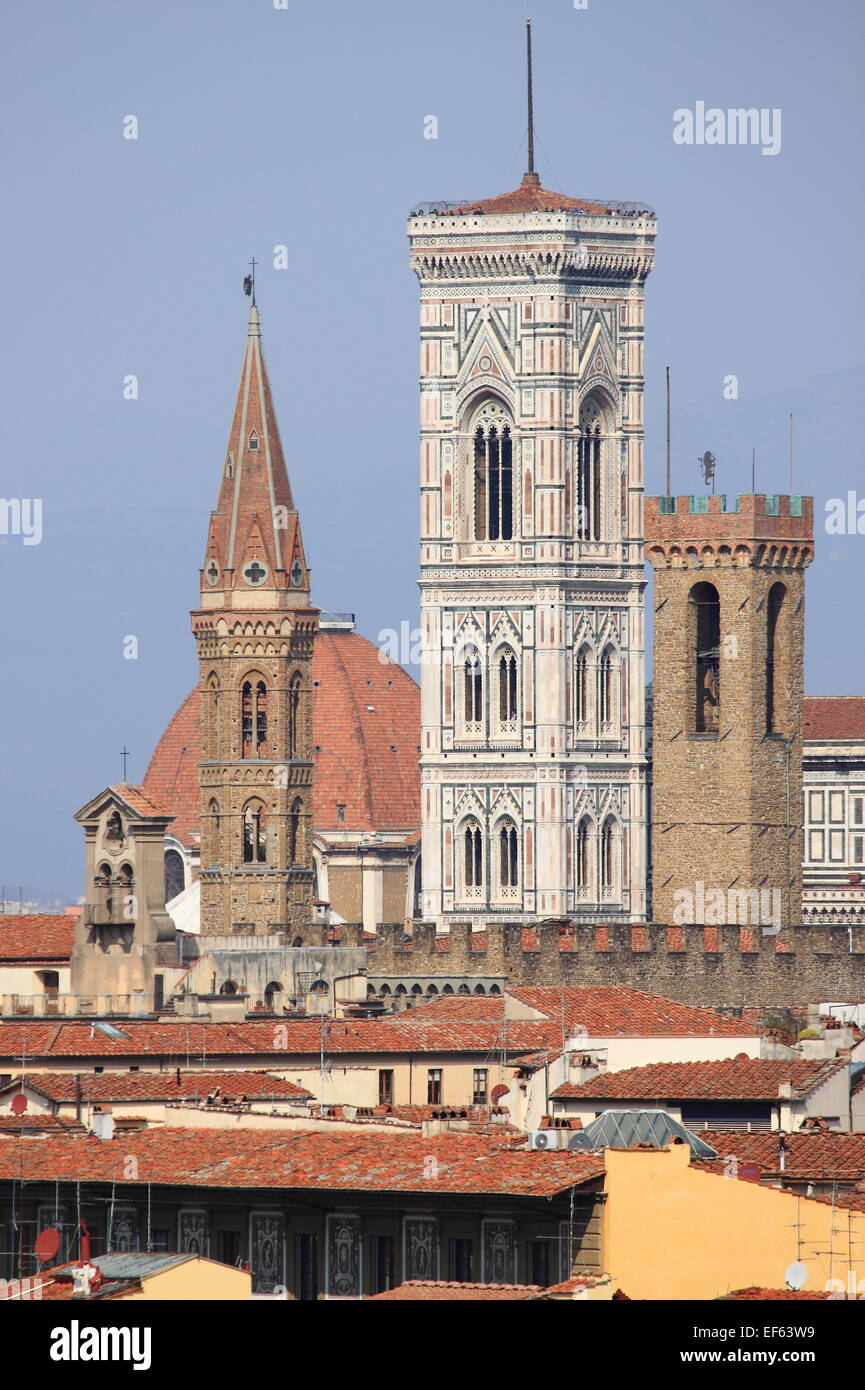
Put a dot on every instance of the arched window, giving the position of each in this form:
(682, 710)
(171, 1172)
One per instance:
(228, 987)
(473, 688)
(175, 877)
(583, 860)
(293, 716)
(295, 845)
(582, 689)
(774, 654)
(261, 720)
(253, 710)
(590, 493)
(255, 834)
(104, 901)
(507, 690)
(213, 698)
(473, 862)
(271, 995)
(493, 473)
(611, 842)
(608, 704)
(417, 891)
(705, 630)
(509, 860)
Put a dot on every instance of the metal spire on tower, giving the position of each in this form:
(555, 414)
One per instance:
(530, 176)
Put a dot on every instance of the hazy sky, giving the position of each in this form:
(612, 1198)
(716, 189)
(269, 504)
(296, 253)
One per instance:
(304, 127)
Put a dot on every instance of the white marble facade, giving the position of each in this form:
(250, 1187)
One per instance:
(533, 761)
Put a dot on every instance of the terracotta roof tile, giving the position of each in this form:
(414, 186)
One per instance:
(529, 197)
(112, 1086)
(731, 1079)
(830, 717)
(771, 1295)
(440, 1290)
(174, 1042)
(359, 1162)
(619, 1011)
(821, 1155)
(46, 938)
(140, 800)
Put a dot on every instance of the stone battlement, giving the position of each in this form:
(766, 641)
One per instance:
(693, 964)
(755, 516)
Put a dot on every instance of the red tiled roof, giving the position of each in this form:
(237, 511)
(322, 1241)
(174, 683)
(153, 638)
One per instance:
(365, 758)
(459, 1006)
(139, 800)
(175, 1042)
(730, 1079)
(529, 197)
(770, 1295)
(362, 1162)
(14, 1124)
(46, 938)
(619, 1011)
(61, 1086)
(440, 1290)
(829, 717)
(816, 1156)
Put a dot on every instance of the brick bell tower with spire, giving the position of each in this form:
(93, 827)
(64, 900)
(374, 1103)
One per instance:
(254, 630)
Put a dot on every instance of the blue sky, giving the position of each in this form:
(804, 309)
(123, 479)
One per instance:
(304, 127)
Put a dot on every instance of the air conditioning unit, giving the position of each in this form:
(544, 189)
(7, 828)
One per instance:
(546, 1138)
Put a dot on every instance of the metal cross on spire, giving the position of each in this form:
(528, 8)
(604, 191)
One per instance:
(249, 281)
(124, 753)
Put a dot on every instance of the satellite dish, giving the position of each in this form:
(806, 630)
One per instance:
(47, 1244)
(19, 1104)
(750, 1172)
(497, 1092)
(797, 1275)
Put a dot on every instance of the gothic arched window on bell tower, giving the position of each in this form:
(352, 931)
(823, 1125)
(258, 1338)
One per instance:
(255, 833)
(293, 715)
(775, 652)
(506, 698)
(295, 838)
(493, 473)
(584, 702)
(472, 865)
(608, 693)
(253, 714)
(261, 719)
(507, 879)
(611, 855)
(590, 490)
(213, 715)
(583, 858)
(704, 629)
(471, 704)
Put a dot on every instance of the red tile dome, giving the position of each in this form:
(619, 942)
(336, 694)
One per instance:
(365, 733)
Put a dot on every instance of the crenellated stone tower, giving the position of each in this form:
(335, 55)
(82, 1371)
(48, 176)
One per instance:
(254, 631)
(533, 761)
(727, 836)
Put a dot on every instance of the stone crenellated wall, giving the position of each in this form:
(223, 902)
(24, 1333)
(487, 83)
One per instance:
(693, 964)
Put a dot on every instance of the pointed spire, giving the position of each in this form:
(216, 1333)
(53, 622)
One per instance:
(530, 177)
(254, 547)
